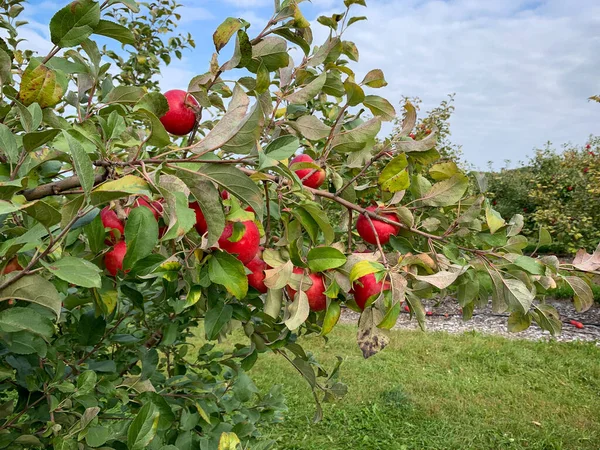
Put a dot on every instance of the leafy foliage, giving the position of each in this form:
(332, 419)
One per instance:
(557, 191)
(119, 239)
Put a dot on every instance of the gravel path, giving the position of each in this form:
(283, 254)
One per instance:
(485, 321)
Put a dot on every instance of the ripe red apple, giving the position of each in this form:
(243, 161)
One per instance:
(247, 247)
(316, 179)
(316, 293)
(201, 226)
(156, 207)
(12, 266)
(181, 117)
(570, 188)
(366, 287)
(111, 220)
(256, 279)
(588, 146)
(113, 260)
(384, 230)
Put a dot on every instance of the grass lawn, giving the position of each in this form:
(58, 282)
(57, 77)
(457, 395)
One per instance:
(442, 391)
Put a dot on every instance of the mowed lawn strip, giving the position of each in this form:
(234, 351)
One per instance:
(443, 391)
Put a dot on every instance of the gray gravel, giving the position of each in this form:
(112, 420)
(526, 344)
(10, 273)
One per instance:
(485, 321)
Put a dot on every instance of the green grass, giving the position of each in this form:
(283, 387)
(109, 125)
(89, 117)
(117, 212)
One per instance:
(441, 391)
(565, 291)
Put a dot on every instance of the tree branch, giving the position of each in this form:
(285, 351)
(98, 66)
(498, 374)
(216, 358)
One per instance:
(55, 188)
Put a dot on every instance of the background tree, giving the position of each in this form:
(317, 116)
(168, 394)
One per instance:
(120, 242)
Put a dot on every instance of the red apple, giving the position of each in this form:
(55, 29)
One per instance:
(257, 278)
(316, 293)
(366, 287)
(181, 117)
(225, 195)
(113, 260)
(201, 226)
(247, 247)
(384, 230)
(12, 266)
(111, 220)
(316, 179)
(576, 324)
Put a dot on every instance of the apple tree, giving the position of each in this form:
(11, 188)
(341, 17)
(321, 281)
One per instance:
(140, 229)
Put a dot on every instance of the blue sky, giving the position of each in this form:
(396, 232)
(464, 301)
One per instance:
(521, 70)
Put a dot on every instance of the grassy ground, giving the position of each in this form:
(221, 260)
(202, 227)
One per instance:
(441, 391)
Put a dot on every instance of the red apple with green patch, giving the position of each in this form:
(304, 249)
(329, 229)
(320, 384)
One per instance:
(241, 239)
(315, 180)
(368, 288)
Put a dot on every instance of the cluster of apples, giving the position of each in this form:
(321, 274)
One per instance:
(180, 120)
(113, 259)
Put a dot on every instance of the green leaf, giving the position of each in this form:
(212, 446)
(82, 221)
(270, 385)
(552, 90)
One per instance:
(298, 310)
(357, 138)
(209, 200)
(311, 128)
(394, 176)
(584, 297)
(332, 315)
(149, 363)
(518, 296)
(380, 107)
(97, 436)
(362, 268)
(517, 322)
(272, 51)
(141, 235)
(229, 124)
(308, 92)
(43, 212)
(347, 3)
(159, 136)
(493, 219)
(350, 50)
(216, 318)
(143, 428)
(229, 441)
(225, 31)
(355, 93)
(82, 163)
(154, 102)
(115, 31)
(244, 140)
(74, 23)
(391, 317)
(228, 271)
(356, 19)
(544, 237)
(41, 85)
(76, 271)
(34, 289)
(443, 171)
(283, 147)
(262, 79)
(547, 318)
(440, 280)
(8, 144)
(237, 183)
(321, 259)
(294, 39)
(32, 141)
(119, 188)
(447, 192)
(531, 265)
(17, 319)
(515, 225)
(320, 217)
(25, 343)
(375, 79)
(5, 68)
(125, 94)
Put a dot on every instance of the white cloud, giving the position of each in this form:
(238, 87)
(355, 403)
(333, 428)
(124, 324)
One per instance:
(521, 72)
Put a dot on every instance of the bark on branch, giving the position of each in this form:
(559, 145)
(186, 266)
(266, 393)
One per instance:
(55, 188)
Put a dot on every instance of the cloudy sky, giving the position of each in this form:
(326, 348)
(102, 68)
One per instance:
(522, 70)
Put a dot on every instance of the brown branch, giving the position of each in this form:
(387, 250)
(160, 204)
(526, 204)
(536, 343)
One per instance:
(55, 188)
(363, 170)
